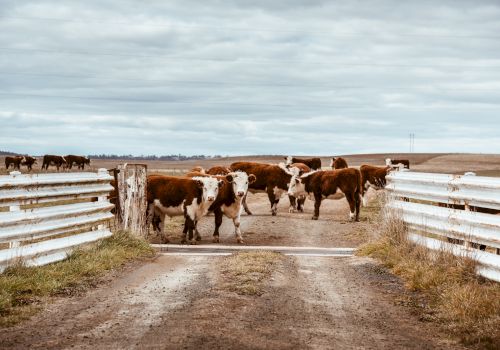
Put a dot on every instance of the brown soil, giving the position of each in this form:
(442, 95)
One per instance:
(180, 301)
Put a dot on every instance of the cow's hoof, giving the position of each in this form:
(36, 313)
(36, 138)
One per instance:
(198, 238)
(165, 241)
(273, 213)
(192, 242)
(240, 240)
(248, 212)
(183, 241)
(291, 210)
(216, 239)
(301, 210)
(315, 218)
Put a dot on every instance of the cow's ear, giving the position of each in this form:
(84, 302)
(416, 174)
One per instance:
(221, 182)
(199, 183)
(252, 178)
(297, 181)
(229, 178)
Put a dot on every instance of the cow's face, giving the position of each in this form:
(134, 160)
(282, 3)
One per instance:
(388, 162)
(296, 186)
(240, 181)
(210, 187)
(288, 160)
(332, 162)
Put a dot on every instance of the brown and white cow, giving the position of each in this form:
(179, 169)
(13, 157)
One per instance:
(14, 161)
(176, 196)
(218, 170)
(77, 160)
(374, 177)
(395, 163)
(338, 163)
(272, 179)
(57, 161)
(229, 201)
(313, 163)
(330, 184)
(29, 161)
(297, 203)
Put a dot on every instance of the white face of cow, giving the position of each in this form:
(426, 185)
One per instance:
(288, 160)
(210, 187)
(388, 162)
(331, 162)
(296, 187)
(240, 181)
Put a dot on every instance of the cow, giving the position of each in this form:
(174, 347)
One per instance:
(298, 203)
(57, 161)
(313, 163)
(29, 161)
(218, 170)
(338, 163)
(77, 160)
(374, 177)
(229, 201)
(14, 161)
(198, 169)
(272, 179)
(176, 196)
(329, 184)
(395, 163)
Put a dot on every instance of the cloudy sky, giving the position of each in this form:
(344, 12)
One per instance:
(249, 77)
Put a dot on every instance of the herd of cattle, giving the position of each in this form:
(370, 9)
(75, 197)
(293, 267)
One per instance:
(66, 162)
(223, 190)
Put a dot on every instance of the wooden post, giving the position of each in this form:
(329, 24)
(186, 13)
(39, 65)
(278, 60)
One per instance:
(131, 185)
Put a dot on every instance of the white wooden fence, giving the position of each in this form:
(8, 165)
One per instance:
(24, 222)
(451, 207)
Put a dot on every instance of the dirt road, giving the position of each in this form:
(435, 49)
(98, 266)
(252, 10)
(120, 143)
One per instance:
(180, 302)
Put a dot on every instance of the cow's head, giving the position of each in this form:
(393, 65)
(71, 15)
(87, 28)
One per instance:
(288, 160)
(210, 187)
(388, 162)
(240, 181)
(87, 160)
(332, 162)
(296, 187)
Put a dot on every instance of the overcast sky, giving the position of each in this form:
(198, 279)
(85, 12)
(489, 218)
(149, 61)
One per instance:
(249, 77)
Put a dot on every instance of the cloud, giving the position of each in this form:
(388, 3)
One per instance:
(239, 77)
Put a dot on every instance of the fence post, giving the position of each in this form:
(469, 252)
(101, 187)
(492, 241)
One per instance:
(14, 244)
(131, 186)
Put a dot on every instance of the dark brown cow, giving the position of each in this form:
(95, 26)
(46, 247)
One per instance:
(338, 163)
(29, 162)
(175, 196)
(218, 170)
(374, 177)
(272, 179)
(394, 163)
(229, 201)
(330, 184)
(57, 161)
(77, 160)
(298, 203)
(313, 163)
(14, 161)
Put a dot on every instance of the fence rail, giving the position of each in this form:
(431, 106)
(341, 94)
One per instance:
(453, 212)
(43, 217)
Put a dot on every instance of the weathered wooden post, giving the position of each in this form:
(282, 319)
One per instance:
(131, 186)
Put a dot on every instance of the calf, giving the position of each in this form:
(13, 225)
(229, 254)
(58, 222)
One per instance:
(29, 161)
(313, 163)
(57, 161)
(330, 184)
(77, 160)
(272, 179)
(218, 170)
(175, 196)
(394, 163)
(338, 163)
(374, 177)
(229, 201)
(297, 203)
(14, 161)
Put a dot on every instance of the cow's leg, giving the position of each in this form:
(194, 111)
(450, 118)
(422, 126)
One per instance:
(364, 191)
(317, 204)
(293, 204)
(273, 200)
(218, 222)
(159, 222)
(197, 236)
(237, 230)
(245, 206)
(352, 205)
(187, 228)
(357, 198)
(300, 203)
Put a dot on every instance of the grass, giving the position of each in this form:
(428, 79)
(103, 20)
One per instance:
(246, 272)
(464, 304)
(23, 289)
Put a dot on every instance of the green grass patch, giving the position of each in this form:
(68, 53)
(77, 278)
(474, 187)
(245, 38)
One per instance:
(23, 289)
(245, 273)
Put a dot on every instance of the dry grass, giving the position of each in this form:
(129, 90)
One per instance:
(246, 272)
(467, 306)
(23, 289)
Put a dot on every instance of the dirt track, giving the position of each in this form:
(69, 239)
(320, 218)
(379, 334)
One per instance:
(178, 301)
